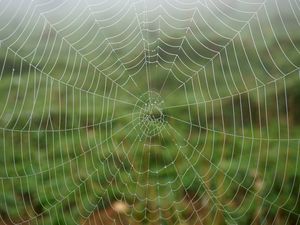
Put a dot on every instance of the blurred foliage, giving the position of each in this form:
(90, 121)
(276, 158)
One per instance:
(64, 153)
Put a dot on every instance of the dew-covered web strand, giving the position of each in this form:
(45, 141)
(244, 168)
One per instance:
(58, 33)
(118, 59)
(100, 197)
(222, 49)
(70, 159)
(76, 189)
(179, 49)
(211, 195)
(52, 77)
(229, 177)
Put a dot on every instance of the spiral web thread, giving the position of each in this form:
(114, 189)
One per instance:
(177, 112)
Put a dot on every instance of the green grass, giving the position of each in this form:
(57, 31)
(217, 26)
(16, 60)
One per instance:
(68, 146)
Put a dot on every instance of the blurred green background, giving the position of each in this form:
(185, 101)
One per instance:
(73, 83)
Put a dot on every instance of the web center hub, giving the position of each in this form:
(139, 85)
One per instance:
(151, 118)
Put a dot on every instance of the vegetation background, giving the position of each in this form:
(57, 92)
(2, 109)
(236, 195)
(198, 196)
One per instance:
(71, 150)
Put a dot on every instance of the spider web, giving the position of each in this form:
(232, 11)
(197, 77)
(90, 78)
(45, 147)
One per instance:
(149, 112)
